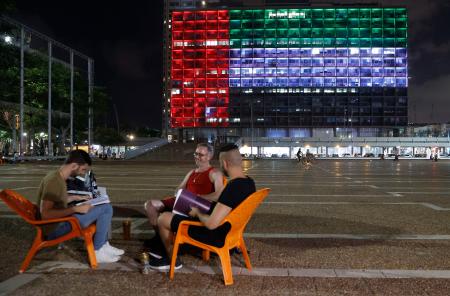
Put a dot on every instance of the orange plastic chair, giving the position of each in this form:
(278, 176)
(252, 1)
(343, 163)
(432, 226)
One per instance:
(238, 218)
(27, 210)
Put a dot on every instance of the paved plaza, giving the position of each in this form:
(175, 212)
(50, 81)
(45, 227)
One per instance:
(337, 227)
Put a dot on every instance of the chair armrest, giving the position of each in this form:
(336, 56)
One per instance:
(187, 223)
(72, 220)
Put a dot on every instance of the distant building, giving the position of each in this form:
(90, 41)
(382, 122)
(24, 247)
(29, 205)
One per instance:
(284, 69)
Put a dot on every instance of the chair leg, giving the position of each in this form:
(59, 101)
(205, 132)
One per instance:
(224, 255)
(206, 255)
(243, 249)
(174, 259)
(90, 249)
(37, 244)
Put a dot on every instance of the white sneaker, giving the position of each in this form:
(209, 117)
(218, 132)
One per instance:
(103, 256)
(113, 250)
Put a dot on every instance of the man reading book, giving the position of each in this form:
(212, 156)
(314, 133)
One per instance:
(237, 190)
(204, 181)
(53, 200)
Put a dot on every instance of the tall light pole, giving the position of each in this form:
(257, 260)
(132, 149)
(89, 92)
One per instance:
(251, 126)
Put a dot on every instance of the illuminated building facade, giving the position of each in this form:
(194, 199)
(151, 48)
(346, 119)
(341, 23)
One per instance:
(289, 70)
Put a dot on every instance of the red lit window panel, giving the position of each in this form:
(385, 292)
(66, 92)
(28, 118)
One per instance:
(200, 53)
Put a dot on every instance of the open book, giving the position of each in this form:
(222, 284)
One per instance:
(100, 197)
(185, 199)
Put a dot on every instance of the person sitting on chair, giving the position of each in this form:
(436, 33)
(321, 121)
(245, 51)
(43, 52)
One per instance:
(53, 200)
(237, 190)
(205, 181)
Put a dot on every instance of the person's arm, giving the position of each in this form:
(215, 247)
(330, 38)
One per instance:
(216, 177)
(184, 182)
(215, 219)
(49, 212)
(71, 198)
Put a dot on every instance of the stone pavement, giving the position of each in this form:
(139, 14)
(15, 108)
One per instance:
(345, 227)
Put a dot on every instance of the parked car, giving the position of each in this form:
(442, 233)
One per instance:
(369, 155)
(346, 155)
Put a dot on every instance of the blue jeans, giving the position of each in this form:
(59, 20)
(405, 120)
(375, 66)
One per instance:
(101, 215)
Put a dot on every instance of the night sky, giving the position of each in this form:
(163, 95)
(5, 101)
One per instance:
(125, 40)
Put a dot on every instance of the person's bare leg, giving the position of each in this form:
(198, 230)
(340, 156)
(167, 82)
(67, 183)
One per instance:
(153, 208)
(165, 232)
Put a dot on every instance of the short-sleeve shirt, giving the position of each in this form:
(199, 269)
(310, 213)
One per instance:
(53, 188)
(235, 192)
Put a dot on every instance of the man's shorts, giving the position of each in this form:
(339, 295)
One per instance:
(168, 203)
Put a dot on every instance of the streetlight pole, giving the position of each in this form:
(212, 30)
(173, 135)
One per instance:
(251, 125)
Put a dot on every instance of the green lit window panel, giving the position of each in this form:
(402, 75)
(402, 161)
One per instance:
(341, 13)
(305, 32)
(377, 13)
(388, 32)
(341, 23)
(377, 23)
(294, 42)
(247, 33)
(364, 23)
(270, 42)
(305, 23)
(258, 33)
(401, 42)
(317, 13)
(353, 32)
(235, 14)
(354, 42)
(329, 42)
(235, 43)
(328, 23)
(258, 24)
(295, 33)
(365, 42)
(235, 24)
(401, 12)
(329, 32)
(247, 14)
(259, 42)
(389, 22)
(270, 23)
(401, 22)
(317, 33)
(364, 13)
(247, 24)
(377, 42)
(377, 32)
(294, 23)
(305, 41)
(353, 23)
(282, 33)
(353, 13)
(282, 23)
(341, 42)
(317, 23)
(389, 12)
(235, 33)
(294, 13)
(389, 42)
(364, 33)
(282, 42)
(341, 33)
(402, 33)
(305, 13)
(247, 42)
(328, 13)
(317, 41)
(271, 33)
(258, 14)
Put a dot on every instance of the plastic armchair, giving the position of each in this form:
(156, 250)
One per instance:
(238, 218)
(28, 211)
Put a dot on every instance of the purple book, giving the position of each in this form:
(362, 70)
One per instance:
(185, 200)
